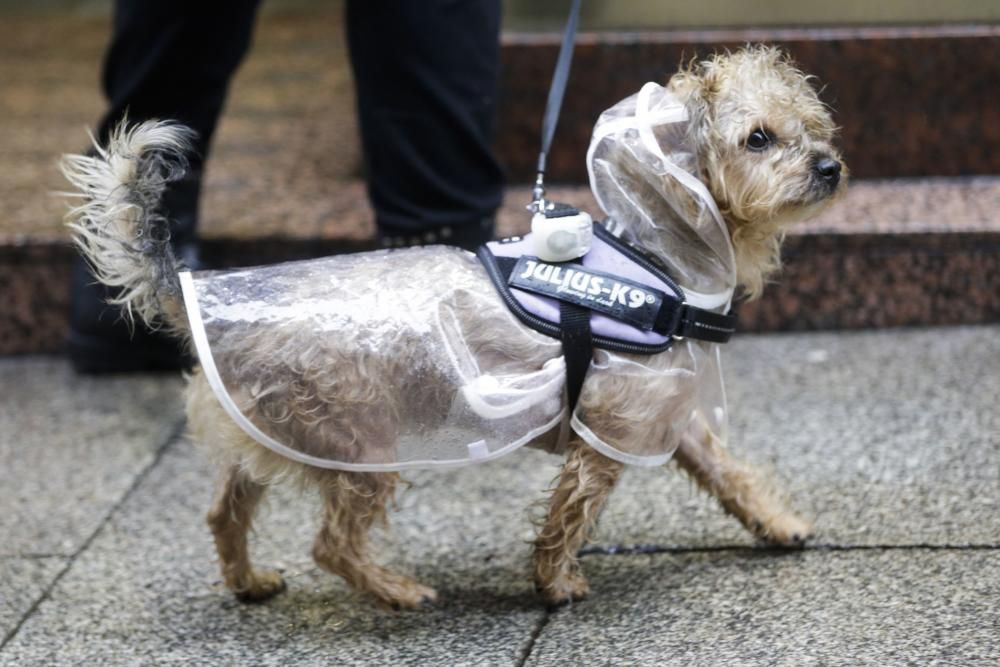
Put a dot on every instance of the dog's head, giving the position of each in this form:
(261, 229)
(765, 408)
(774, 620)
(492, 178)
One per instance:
(764, 145)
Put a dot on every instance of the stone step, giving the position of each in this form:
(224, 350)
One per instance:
(911, 101)
(890, 253)
(282, 182)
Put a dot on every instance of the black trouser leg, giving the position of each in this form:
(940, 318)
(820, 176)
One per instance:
(168, 59)
(426, 75)
(173, 59)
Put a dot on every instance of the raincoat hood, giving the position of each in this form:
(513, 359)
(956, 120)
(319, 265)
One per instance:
(643, 172)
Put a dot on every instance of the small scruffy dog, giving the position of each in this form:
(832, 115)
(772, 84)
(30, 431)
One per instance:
(763, 143)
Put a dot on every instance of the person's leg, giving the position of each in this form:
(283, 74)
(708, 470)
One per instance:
(426, 75)
(168, 59)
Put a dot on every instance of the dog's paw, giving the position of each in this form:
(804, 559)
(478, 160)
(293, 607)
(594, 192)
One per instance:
(397, 592)
(565, 589)
(784, 530)
(261, 585)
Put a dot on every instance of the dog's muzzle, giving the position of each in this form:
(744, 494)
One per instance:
(826, 174)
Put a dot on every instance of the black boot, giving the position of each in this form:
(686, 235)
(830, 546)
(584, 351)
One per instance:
(100, 338)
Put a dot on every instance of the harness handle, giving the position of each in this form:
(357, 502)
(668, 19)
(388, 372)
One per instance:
(557, 89)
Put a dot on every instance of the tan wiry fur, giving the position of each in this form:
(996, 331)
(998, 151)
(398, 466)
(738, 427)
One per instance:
(118, 229)
(343, 396)
(759, 194)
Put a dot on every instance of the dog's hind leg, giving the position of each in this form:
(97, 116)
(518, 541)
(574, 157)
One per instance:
(743, 491)
(353, 503)
(586, 480)
(230, 519)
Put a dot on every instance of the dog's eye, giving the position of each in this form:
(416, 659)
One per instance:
(759, 140)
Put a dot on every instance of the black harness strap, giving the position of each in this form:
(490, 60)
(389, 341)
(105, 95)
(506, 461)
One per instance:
(686, 321)
(578, 347)
(705, 325)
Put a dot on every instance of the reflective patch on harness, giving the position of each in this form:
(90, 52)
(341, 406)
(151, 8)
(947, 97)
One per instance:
(611, 295)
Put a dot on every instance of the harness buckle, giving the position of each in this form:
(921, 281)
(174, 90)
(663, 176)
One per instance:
(678, 320)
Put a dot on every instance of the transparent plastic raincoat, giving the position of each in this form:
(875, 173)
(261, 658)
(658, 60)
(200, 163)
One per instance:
(410, 359)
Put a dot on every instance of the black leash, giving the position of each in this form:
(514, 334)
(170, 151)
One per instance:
(574, 321)
(557, 90)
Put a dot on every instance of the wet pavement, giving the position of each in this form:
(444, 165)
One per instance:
(889, 440)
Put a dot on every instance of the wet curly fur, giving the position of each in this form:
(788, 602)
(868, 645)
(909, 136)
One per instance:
(358, 398)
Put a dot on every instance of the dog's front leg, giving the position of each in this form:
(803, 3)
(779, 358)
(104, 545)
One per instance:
(584, 483)
(230, 519)
(741, 489)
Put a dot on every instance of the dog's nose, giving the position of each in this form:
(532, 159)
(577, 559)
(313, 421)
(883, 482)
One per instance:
(828, 169)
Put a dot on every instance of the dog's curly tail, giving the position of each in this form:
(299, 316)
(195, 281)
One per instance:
(120, 229)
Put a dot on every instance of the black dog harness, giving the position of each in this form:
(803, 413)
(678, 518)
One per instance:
(615, 297)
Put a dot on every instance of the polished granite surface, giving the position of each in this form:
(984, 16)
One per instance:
(284, 178)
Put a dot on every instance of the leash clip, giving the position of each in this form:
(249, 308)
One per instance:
(560, 232)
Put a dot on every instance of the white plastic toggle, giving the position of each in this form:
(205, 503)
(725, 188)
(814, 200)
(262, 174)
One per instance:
(562, 239)
(478, 449)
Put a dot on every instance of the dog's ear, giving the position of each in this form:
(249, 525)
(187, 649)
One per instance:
(686, 84)
(694, 86)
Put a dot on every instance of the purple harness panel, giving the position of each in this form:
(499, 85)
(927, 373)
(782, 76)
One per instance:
(602, 257)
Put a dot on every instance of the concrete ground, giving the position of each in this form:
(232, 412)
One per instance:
(889, 440)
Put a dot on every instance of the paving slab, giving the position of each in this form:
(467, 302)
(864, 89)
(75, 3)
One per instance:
(877, 434)
(881, 607)
(70, 447)
(147, 591)
(23, 581)
(882, 438)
